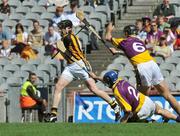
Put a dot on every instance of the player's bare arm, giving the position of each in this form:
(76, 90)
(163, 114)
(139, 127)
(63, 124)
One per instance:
(95, 77)
(109, 29)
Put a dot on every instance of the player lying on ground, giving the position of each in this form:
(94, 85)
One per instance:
(74, 71)
(147, 70)
(135, 105)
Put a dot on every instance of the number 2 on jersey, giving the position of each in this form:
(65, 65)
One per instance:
(132, 91)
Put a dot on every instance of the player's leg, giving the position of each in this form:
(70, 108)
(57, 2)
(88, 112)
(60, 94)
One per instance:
(160, 84)
(166, 114)
(65, 78)
(143, 78)
(60, 85)
(93, 88)
(144, 89)
(164, 91)
(147, 109)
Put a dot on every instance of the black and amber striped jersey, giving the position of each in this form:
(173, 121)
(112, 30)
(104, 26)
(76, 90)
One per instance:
(72, 44)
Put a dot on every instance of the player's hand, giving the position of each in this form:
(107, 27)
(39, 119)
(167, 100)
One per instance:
(113, 50)
(114, 105)
(117, 116)
(110, 27)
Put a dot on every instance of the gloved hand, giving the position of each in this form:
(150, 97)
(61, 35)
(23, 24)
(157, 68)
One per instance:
(117, 112)
(50, 117)
(117, 117)
(114, 105)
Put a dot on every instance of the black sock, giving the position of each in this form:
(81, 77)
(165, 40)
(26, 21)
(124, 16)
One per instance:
(178, 119)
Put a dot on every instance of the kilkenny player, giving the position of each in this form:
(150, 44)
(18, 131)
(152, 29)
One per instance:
(136, 106)
(147, 69)
(74, 71)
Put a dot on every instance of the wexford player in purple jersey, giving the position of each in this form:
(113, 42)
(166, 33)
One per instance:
(147, 69)
(136, 106)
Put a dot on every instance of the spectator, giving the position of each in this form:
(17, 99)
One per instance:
(4, 7)
(29, 53)
(4, 34)
(141, 34)
(21, 46)
(161, 23)
(164, 9)
(25, 51)
(5, 51)
(177, 43)
(176, 31)
(162, 50)
(71, 15)
(146, 24)
(170, 37)
(35, 37)
(59, 15)
(29, 98)
(153, 36)
(50, 39)
(20, 37)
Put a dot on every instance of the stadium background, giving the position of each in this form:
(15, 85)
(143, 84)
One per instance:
(124, 11)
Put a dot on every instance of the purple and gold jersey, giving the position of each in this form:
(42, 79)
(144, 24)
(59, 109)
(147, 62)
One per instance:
(134, 49)
(127, 96)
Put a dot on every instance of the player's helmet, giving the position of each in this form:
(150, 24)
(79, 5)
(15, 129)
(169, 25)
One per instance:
(65, 23)
(110, 78)
(130, 30)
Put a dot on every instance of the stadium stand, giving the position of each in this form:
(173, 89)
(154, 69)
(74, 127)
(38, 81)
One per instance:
(22, 10)
(28, 67)
(42, 3)
(11, 68)
(29, 3)
(3, 17)
(21, 74)
(47, 69)
(14, 3)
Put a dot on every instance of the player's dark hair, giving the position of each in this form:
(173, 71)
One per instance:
(130, 30)
(65, 23)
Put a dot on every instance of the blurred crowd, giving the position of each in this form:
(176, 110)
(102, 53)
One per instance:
(161, 34)
(26, 44)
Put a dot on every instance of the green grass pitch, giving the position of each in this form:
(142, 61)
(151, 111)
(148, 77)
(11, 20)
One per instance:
(70, 129)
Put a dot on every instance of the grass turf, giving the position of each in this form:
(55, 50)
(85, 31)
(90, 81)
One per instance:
(69, 129)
